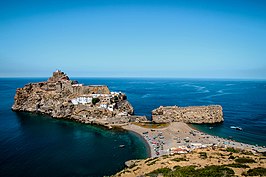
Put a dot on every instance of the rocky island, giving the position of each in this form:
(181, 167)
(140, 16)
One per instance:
(190, 114)
(61, 97)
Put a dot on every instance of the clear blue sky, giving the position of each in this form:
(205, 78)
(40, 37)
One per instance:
(140, 38)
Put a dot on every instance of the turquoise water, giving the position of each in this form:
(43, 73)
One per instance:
(37, 145)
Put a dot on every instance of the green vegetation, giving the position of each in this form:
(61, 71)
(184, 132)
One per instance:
(179, 159)
(151, 125)
(260, 171)
(216, 171)
(184, 171)
(203, 155)
(244, 160)
(163, 171)
(152, 162)
(209, 171)
(95, 100)
(237, 165)
(230, 149)
(246, 152)
(165, 156)
(148, 160)
(115, 99)
(231, 157)
(219, 154)
(177, 166)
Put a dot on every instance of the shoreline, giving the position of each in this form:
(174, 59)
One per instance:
(226, 137)
(147, 146)
(176, 131)
(179, 137)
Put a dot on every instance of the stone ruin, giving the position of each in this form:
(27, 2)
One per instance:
(190, 114)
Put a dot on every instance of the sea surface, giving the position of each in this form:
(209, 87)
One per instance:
(37, 145)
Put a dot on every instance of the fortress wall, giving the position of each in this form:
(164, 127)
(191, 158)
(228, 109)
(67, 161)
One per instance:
(191, 114)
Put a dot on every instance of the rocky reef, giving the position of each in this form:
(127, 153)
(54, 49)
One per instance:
(61, 97)
(190, 114)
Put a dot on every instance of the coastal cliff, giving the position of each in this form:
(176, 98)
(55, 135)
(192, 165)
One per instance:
(190, 114)
(61, 97)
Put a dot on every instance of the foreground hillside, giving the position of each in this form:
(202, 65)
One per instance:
(201, 162)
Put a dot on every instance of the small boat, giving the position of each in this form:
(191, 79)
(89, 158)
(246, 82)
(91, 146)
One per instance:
(121, 146)
(210, 128)
(237, 128)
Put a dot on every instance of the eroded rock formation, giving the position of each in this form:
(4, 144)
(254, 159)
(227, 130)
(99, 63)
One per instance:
(191, 114)
(61, 97)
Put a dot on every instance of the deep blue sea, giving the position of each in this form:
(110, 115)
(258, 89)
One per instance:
(37, 145)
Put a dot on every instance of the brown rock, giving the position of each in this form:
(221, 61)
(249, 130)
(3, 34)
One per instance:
(191, 114)
(54, 98)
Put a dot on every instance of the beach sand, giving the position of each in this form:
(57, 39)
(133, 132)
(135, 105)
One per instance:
(179, 134)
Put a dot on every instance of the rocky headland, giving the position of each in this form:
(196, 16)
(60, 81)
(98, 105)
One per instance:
(61, 97)
(190, 114)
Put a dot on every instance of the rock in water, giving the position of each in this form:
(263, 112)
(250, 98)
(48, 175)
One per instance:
(190, 114)
(61, 97)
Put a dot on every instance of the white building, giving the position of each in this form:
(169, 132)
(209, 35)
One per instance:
(77, 85)
(103, 105)
(81, 100)
(123, 114)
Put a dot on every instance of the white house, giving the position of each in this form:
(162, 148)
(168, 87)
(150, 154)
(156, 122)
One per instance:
(81, 100)
(103, 105)
(123, 114)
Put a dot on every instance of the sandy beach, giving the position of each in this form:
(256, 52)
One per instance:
(179, 137)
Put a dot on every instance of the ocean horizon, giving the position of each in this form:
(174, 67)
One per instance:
(136, 77)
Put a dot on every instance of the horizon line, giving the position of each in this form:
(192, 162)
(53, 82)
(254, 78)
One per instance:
(138, 77)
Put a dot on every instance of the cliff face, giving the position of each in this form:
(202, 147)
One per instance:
(191, 114)
(61, 97)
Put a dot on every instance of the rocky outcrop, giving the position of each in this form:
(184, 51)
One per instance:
(131, 163)
(191, 114)
(61, 97)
